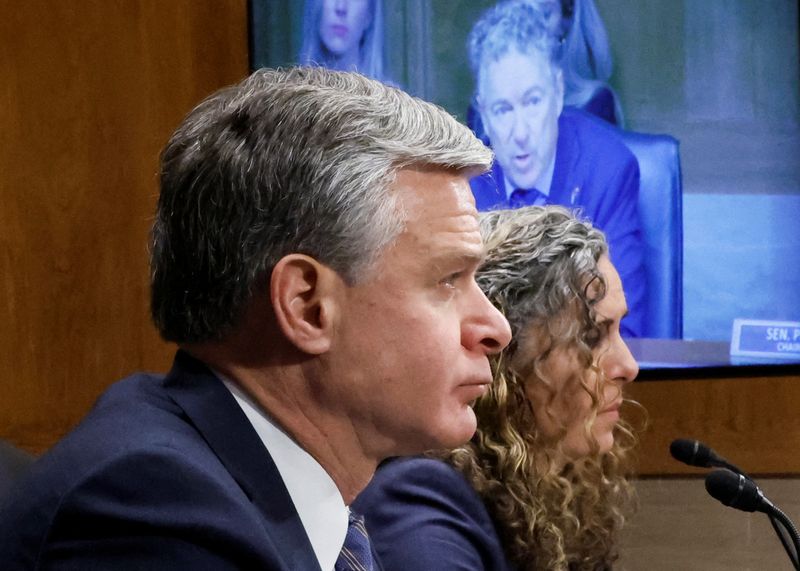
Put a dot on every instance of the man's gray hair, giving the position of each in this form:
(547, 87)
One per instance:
(287, 161)
(513, 24)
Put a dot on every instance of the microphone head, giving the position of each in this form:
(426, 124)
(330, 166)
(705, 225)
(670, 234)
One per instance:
(736, 491)
(691, 452)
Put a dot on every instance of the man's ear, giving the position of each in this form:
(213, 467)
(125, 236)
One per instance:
(304, 295)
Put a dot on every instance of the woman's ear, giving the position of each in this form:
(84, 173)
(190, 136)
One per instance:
(304, 295)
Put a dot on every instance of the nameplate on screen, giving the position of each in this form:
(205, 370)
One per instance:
(761, 338)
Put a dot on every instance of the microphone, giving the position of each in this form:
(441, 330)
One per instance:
(734, 488)
(741, 493)
(737, 491)
(695, 453)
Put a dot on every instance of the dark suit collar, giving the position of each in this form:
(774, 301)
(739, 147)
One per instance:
(217, 416)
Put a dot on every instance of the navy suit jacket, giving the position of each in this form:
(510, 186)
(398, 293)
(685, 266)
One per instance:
(596, 173)
(423, 514)
(164, 473)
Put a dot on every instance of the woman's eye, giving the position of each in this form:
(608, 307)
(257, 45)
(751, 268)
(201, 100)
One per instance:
(600, 333)
(593, 337)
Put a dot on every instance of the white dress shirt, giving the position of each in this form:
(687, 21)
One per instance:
(543, 182)
(315, 496)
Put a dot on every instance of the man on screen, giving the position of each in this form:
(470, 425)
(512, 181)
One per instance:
(314, 260)
(546, 153)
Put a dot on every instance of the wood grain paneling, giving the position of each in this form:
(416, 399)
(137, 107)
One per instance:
(90, 92)
(751, 421)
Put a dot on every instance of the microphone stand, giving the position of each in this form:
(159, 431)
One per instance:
(747, 487)
(777, 516)
(776, 519)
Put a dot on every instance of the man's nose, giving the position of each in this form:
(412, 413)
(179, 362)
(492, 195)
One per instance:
(486, 330)
(520, 131)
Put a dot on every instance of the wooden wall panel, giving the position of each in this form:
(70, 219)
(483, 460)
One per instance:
(90, 92)
(751, 421)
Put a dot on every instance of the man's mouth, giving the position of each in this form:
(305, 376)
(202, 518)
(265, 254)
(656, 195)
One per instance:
(473, 391)
(523, 161)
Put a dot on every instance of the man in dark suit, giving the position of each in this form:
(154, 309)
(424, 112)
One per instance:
(548, 154)
(314, 261)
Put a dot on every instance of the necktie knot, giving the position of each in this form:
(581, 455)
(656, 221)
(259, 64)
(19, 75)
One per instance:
(356, 554)
(525, 197)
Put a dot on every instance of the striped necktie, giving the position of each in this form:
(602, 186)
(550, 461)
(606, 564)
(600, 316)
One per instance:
(356, 555)
(525, 197)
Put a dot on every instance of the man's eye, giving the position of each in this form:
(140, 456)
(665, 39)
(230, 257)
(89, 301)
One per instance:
(450, 281)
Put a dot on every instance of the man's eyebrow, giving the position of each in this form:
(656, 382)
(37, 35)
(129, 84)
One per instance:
(460, 257)
(498, 101)
(533, 90)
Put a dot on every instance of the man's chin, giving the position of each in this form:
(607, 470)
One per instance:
(445, 437)
(458, 434)
(522, 180)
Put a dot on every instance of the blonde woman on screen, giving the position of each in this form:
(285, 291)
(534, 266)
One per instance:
(344, 34)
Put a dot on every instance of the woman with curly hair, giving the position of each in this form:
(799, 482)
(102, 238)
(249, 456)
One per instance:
(543, 483)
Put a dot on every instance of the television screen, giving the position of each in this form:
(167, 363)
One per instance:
(719, 80)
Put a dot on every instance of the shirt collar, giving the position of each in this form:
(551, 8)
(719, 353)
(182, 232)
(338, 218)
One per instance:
(542, 184)
(315, 496)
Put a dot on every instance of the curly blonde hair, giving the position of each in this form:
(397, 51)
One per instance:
(550, 514)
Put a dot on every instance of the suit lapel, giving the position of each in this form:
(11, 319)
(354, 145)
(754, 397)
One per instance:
(223, 424)
(564, 185)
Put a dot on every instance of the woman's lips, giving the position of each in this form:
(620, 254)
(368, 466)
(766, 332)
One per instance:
(339, 30)
(612, 410)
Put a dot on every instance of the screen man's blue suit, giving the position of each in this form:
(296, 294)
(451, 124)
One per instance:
(164, 473)
(596, 173)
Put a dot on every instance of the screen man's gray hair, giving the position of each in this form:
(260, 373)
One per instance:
(514, 24)
(287, 161)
